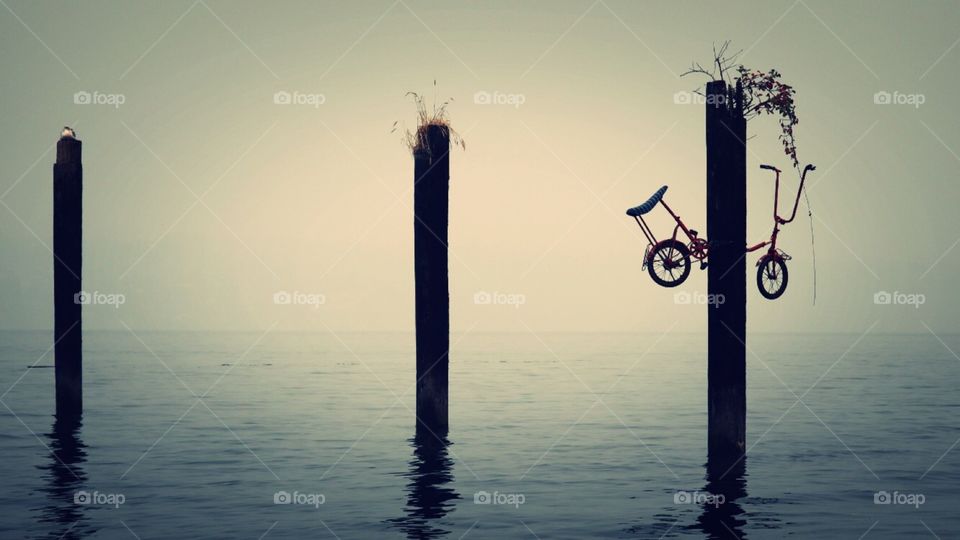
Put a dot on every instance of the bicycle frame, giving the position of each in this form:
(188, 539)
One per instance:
(699, 254)
(777, 220)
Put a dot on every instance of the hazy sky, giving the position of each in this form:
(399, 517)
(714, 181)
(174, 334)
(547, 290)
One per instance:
(203, 197)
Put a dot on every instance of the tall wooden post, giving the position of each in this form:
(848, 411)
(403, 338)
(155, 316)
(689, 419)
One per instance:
(726, 131)
(67, 264)
(430, 207)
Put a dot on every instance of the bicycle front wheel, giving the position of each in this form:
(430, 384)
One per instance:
(772, 277)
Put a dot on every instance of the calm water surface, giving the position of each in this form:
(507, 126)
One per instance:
(193, 435)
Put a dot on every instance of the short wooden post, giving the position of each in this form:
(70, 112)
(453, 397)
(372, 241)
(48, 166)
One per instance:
(430, 207)
(67, 265)
(726, 130)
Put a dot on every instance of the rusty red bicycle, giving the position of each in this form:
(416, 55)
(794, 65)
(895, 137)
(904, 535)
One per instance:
(668, 260)
(772, 266)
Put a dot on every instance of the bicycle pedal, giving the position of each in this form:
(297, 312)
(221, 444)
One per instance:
(703, 265)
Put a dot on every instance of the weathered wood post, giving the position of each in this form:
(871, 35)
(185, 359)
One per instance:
(430, 206)
(726, 130)
(67, 264)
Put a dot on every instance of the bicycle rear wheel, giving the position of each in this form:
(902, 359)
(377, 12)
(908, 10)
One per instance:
(669, 263)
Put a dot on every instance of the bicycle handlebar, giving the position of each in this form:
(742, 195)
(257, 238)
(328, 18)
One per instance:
(770, 168)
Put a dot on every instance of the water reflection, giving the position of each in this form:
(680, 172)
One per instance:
(722, 517)
(64, 476)
(429, 495)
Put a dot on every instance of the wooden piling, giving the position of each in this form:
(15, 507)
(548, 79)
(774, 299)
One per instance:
(726, 131)
(67, 264)
(430, 206)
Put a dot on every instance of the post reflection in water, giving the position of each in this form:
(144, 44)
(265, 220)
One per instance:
(722, 517)
(64, 478)
(429, 496)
